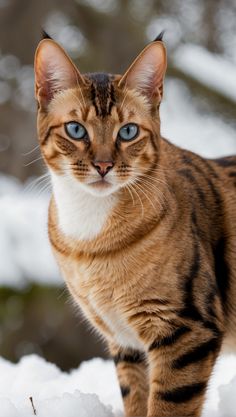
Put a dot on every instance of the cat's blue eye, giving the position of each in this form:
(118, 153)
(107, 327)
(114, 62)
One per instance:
(128, 132)
(75, 130)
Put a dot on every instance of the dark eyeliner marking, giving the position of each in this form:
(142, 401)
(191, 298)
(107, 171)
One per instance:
(49, 131)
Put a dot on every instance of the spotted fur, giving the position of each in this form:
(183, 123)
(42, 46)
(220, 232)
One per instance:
(148, 254)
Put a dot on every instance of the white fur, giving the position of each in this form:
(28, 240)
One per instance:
(81, 215)
(124, 335)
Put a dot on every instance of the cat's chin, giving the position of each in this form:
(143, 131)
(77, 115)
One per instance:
(101, 188)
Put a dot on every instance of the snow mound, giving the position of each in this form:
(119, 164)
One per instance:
(85, 391)
(68, 405)
(91, 390)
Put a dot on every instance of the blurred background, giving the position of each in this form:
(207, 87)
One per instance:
(198, 113)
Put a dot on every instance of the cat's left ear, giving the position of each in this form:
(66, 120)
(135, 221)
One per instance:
(54, 71)
(146, 74)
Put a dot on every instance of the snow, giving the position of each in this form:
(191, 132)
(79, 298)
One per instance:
(210, 69)
(25, 252)
(90, 390)
(182, 123)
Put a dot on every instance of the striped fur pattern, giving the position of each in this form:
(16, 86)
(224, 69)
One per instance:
(148, 253)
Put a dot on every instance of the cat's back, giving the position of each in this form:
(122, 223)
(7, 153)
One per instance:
(225, 169)
(207, 187)
(225, 172)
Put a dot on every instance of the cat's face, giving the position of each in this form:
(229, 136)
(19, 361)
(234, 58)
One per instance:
(98, 129)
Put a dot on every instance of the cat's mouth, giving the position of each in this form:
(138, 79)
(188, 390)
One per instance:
(102, 183)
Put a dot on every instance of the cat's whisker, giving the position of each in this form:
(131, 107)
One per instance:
(154, 190)
(151, 202)
(82, 105)
(32, 162)
(156, 184)
(36, 182)
(130, 192)
(153, 183)
(29, 152)
(44, 185)
(47, 187)
(157, 167)
(81, 92)
(125, 96)
(141, 203)
(153, 179)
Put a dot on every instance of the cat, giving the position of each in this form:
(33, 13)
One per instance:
(144, 232)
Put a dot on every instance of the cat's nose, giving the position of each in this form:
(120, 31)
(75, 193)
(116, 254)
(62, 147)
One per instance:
(103, 167)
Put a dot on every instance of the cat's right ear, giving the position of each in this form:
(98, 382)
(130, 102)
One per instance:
(54, 72)
(146, 74)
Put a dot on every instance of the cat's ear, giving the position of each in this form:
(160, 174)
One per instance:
(147, 72)
(54, 71)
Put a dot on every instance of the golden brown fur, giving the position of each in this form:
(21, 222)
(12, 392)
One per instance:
(159, 279)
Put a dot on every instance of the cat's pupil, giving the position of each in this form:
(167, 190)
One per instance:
(128, 132)
(75, 130)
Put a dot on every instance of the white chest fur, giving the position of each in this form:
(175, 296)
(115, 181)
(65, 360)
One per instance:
(123, 334)
(81, 215)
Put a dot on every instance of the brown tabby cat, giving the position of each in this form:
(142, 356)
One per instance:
(144, 232)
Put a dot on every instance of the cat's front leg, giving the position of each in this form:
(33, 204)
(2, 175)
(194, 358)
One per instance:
(131, 370)
(180, 366)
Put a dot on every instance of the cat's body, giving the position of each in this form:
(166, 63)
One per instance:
(151, 264)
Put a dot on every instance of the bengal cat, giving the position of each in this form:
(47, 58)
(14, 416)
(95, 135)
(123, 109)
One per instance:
(144, 232)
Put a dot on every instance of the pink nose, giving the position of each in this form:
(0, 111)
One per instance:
(103, 167)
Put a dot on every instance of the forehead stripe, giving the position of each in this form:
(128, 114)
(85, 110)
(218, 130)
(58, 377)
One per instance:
(102, 94)
(112, 98)
(93, 99)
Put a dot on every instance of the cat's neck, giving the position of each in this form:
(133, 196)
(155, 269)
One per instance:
(81, 216)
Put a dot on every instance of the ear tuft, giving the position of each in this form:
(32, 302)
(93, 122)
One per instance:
(146, 74)
(45, 35)
(159, 37)
(54, 71)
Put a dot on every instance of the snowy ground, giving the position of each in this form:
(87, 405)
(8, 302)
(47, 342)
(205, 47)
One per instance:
(92, 389)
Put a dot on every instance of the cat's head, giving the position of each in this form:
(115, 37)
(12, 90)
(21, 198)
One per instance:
(101, 130)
